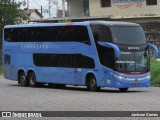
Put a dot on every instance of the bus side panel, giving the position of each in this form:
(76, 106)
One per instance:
(7, 60)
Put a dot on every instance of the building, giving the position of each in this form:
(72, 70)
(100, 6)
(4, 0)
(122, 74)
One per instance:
(78, 8)
(125, 8)
(60, 13)
(114, 8)
(32, 14)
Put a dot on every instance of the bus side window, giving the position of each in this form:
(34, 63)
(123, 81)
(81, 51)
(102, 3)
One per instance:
(25, 35)
(7, 59)
(96, 36)
(81, 34)
(32, 35)
(7, 34)
(103, 33)
(67, 35)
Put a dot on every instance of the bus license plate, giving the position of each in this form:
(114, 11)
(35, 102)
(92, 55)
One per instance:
(135, 85)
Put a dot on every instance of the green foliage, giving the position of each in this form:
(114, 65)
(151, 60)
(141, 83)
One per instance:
(155, 72)
(64, 21)
(10, 13)
(1, 69)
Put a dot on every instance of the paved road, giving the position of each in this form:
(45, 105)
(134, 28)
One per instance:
(13, 97)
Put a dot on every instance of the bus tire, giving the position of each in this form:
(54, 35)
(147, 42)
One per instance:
(123, 89)
(32, 79)
(92, 84)
(51, 85)
(22, 79)
(59, 85)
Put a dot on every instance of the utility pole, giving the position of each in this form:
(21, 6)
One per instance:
(63, 8)
(57, 9)
(49, 8)
(27, 6)
(41, 12)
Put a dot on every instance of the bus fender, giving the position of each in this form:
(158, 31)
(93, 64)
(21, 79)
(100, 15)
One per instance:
(88, 74)
(30, 70)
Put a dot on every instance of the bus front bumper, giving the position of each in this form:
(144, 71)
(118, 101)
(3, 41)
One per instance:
(131, 82)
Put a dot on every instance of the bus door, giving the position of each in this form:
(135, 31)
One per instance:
(7, 66)
(71, 73)
(108, 62)
(66, 71)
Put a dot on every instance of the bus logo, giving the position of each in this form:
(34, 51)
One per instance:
(133, 48)
(6, 114)
(31, 46)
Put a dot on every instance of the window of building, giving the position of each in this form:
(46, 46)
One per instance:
(105, 3)
(151, 2)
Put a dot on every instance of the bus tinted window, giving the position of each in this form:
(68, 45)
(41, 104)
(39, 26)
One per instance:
(48, 34)
(63, 60)
(101, 33)
(128, 35)
(75, 33)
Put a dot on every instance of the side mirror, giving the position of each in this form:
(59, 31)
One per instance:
(111, 45)
(155, 50)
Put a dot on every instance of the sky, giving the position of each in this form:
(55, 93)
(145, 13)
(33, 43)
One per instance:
(36, 4)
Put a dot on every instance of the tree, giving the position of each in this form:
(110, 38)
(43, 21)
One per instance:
(10, 13)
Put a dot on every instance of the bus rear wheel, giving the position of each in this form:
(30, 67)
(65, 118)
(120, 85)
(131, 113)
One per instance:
(22, 79)
(92, 84)
(123, 89)
(32, 79)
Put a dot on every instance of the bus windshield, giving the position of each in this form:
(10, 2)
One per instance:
(133, 62)
(129, 35)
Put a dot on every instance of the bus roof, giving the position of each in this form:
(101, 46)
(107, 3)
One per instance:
(86, 23)
(114, 23)
(47, 24)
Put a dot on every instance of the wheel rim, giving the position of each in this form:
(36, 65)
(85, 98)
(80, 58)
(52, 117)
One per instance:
(32, 79)
(23, 79)
(92, 83)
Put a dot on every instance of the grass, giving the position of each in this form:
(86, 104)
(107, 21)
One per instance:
(155, 72)
(1, 69)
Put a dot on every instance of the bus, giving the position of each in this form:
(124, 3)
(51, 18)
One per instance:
(94, 54)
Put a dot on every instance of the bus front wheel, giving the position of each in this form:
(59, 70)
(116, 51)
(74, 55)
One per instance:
(22, 79)
(92, 84)
(32, 79)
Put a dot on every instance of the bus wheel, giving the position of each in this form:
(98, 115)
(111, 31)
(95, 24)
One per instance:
(60, 85)
(32, 79)
(51, 85)
(92, 84)
(123, 89)
(22, 79)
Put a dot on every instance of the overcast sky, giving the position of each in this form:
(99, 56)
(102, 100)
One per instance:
(36, 4)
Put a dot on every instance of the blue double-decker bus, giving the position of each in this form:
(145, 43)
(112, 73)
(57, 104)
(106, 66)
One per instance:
(93, 53)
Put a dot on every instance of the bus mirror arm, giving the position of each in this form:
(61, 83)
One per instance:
(111, 45)
(155, 49)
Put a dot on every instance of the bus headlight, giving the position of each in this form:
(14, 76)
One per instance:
(118, 76)
(148, 77)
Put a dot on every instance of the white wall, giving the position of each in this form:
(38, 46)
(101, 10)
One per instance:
(76, 8)
(34, 16)
(120, 10)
